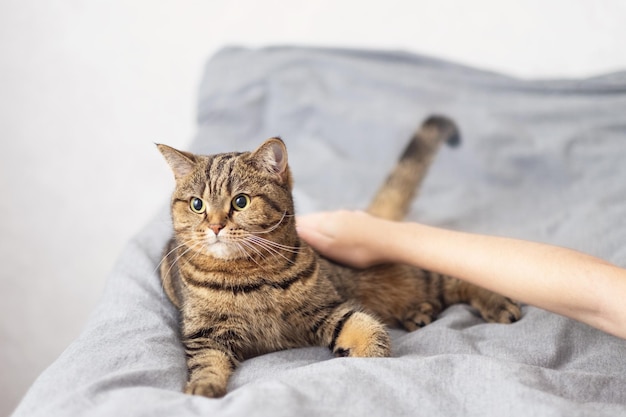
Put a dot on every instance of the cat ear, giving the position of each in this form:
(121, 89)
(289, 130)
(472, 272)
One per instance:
(272, 156)
(182, 163)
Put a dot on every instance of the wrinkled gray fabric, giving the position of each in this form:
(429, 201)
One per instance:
(541, 160)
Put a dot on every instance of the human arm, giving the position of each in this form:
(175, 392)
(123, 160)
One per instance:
(560, 280)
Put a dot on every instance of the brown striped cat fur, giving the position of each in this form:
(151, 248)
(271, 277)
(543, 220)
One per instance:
(245, 283)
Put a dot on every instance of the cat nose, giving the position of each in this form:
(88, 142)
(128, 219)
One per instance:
(216, 227)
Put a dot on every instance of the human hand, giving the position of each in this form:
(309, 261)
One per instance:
(354, 238)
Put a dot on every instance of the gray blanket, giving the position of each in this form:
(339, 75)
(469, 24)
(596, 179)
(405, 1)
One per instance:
(540, 160)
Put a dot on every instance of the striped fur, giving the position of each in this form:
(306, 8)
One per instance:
(245, 284)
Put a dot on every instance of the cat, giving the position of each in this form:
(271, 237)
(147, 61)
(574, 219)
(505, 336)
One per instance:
(246, 284)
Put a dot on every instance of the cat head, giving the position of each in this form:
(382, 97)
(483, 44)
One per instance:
(232, 205)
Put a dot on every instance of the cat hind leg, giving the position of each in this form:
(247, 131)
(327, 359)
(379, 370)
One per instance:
(494, 308)
(420, 315)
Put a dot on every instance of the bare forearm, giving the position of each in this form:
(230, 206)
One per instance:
(557, 279)
(560, 280)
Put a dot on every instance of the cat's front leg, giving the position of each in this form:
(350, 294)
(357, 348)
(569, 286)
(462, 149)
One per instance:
(210, 365)
(351, 332)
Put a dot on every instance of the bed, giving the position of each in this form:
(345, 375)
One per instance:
(540, 160)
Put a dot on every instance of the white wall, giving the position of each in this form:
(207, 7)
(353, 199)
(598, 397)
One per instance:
(86, 87)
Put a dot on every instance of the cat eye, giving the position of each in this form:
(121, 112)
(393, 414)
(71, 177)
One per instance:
(241, 202)
(197, 205)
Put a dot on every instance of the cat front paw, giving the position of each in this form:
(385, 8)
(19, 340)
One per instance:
(205, 388)
(362, 336)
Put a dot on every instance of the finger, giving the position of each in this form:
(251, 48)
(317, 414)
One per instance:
(309, 228)
(316, 222)
(319, 241)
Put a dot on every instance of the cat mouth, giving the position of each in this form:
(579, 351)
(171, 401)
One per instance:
(220, 249)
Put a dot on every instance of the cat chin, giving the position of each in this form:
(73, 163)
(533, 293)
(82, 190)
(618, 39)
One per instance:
(223, 251)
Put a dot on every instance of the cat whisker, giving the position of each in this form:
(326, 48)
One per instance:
(267, 245)
(170, 252)
(274, 227)
(292, 249)
(195, 255)
(251, 246)
(195, 243)
(269, 250)
(242, 249)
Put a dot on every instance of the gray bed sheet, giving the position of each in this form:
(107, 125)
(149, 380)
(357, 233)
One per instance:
(541, 160)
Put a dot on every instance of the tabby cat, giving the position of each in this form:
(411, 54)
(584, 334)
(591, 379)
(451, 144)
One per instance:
(245, 283)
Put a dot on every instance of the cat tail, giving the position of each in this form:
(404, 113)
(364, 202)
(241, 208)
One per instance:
(394, 197)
